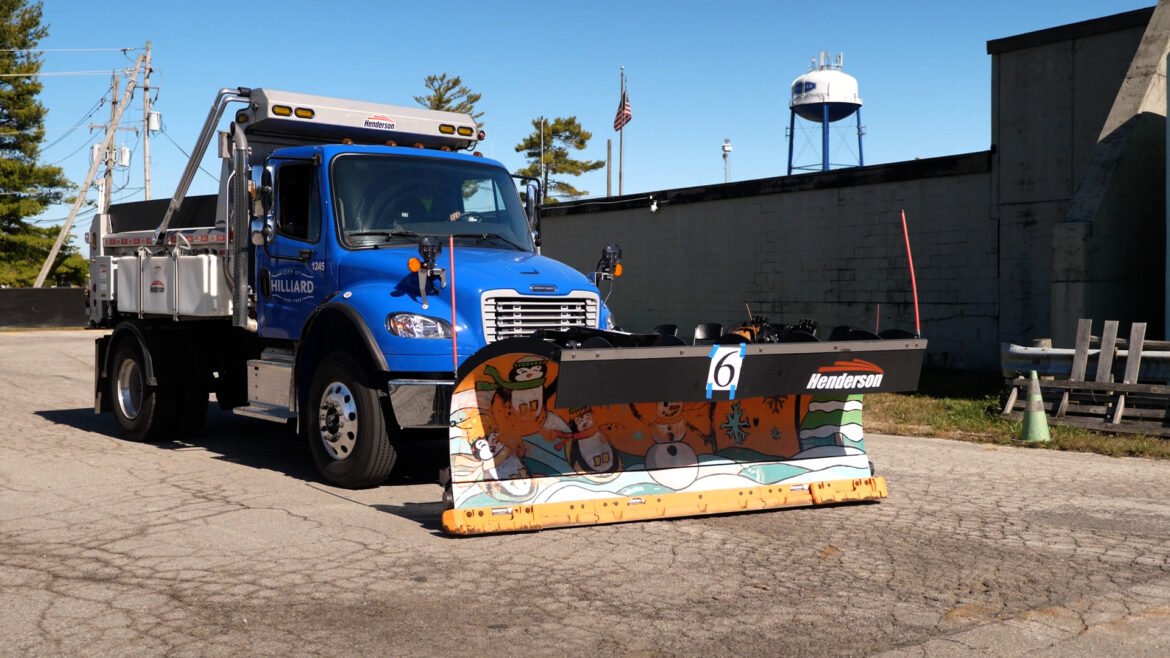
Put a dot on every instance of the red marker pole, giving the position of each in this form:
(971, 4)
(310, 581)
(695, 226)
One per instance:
(454, 339)
(913, 281)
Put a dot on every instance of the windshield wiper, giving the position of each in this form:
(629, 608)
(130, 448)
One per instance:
(386, 234)
(489, 236)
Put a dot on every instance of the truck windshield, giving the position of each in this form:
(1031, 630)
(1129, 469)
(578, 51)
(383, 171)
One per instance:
(380, 199)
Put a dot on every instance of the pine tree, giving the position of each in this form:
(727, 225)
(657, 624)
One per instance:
(26, 187)
(451, 95)
(560, 134)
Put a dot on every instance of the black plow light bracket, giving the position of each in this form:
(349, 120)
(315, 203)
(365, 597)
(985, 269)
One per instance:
(429, 249)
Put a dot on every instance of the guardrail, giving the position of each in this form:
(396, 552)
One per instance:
(1137, 403)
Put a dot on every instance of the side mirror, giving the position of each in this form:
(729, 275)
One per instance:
(532, 209)
(266, 192)
(261, 231)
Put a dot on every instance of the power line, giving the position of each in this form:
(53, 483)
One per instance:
(55, 74)
(96, 106)
(73, 153)
(176, 145)
(66, 50)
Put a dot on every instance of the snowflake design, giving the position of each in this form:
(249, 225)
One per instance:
(736, 424)
(775, 402)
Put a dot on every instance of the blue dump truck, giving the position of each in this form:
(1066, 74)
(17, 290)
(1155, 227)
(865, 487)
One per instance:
(363, 272)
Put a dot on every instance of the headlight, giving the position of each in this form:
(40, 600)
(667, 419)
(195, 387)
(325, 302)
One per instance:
(409, 325)
(609, 323)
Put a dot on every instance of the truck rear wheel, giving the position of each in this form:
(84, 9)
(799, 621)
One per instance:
(345, 425)
(145, 413)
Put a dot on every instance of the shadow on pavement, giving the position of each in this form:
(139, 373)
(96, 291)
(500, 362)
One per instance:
(83, 419)
(428, 516)
(265, 445)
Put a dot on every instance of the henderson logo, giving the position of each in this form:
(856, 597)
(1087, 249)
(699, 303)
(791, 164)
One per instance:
(380, 121)
(852, 374)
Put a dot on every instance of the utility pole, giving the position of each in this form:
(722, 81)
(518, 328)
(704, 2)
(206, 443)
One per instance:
(107, 144)
(146, 125)
(108, 152)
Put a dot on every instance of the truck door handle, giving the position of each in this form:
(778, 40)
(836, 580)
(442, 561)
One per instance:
(302, 256)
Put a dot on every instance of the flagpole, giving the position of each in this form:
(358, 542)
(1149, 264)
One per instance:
(622, 138)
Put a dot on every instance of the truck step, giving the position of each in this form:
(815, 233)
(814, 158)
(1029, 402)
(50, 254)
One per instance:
(265, 412)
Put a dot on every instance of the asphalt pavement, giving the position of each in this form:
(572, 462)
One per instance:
(228, 544)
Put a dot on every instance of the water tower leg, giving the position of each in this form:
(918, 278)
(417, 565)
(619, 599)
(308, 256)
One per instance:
(860, 153)
(791, 136)
(825, 137)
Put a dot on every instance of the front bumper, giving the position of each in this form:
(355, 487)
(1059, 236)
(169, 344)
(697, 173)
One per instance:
(421, 403)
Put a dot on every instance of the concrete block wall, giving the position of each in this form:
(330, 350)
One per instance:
(826, 247)
(42, 307)
(1052, 91)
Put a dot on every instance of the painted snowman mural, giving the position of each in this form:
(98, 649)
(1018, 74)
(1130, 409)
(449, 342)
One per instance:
(670, 460)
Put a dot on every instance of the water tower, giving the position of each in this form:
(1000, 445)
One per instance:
(825, 94)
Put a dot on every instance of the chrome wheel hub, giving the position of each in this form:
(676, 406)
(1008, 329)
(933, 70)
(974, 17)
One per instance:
(130, 389)
(337, 422)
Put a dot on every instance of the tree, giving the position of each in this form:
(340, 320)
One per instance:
(451, 95)
(560, 134)
(26, 187)
(23, 252)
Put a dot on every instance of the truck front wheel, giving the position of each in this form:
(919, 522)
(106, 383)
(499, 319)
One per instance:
(346, 426)
(145, 413)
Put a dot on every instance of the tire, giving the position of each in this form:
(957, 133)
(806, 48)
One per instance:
(345, 425)
(144, 413)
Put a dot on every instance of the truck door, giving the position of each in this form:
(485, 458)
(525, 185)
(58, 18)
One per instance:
(290, 269)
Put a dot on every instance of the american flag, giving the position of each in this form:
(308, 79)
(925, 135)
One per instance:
(624, 113)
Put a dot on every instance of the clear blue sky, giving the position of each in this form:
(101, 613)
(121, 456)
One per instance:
(698, 72)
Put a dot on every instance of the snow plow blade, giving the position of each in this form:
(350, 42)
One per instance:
(545, 436)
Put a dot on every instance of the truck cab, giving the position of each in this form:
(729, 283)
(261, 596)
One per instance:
(356, 255)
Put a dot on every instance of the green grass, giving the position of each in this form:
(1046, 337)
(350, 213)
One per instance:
(956, 404)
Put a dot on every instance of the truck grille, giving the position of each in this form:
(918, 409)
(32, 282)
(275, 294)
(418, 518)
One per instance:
(508, 315)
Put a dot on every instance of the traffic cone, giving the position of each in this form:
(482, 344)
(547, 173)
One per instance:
(1035, 421)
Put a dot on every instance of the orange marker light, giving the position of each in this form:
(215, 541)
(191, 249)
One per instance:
(414, 264)
(282, 110)
(617, 269)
